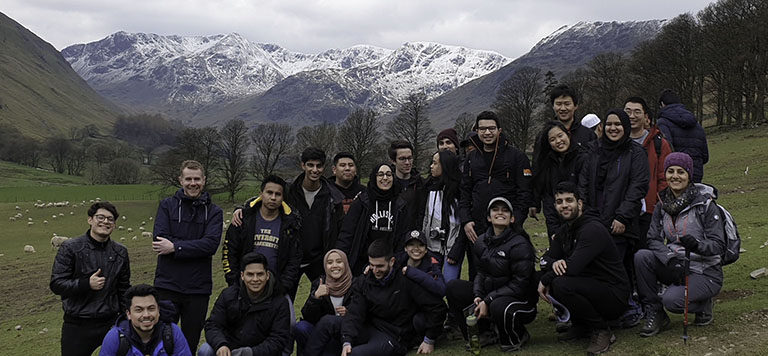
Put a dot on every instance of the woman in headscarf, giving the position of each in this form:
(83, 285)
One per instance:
(557, 161)
(686, 224)
(326, 305)
(375, 214)
(614, 181)
(441, 223)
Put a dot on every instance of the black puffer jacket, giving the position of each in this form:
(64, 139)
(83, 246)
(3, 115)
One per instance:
(508, 175)
(236, 321)
(626, 183)
(506, 266)
(680, 127)
(239, 241)
(75, 262)
(560, 168)
(316, 308)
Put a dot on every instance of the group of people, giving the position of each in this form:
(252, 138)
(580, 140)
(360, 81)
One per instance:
(624, 214)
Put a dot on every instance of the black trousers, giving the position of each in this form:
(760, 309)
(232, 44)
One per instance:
(508, 313)
(80, 337)
(591, 302)
(191, 309)
(325, 338)
(313, 271)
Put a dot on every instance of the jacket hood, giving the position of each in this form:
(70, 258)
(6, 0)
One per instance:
(257, 203)
(203, 199)
(678, 114)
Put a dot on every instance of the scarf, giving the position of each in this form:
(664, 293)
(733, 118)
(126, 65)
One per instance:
(375, 193)
(609, 151)
(338, 287)
(673, 206)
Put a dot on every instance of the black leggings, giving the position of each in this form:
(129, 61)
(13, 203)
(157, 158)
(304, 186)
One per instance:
(592, 303)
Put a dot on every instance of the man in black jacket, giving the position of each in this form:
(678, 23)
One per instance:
(565, 101)
(411, 183)
(346, 179)
(584, 272)
(250, 318)
(91, 273)
(319, 204)
(379, 320)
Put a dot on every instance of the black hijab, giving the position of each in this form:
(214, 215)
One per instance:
(609, 150)
(375, 193)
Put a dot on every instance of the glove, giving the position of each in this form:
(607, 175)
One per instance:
(676, 268)
(690, 243)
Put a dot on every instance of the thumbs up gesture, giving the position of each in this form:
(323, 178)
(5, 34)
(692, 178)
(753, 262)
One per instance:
(97, 281)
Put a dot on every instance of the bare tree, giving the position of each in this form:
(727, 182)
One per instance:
(58, 150)
(359, 135)
(516, 102)
(606, 83)
(233, 146)
(465, 124)
(271, 142)
(413, 125)
(322, 136)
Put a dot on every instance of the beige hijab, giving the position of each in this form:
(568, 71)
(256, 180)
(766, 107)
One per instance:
(338, 287)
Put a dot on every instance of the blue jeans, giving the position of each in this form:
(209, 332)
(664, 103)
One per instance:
(301, 332)
(325, 338)
(451, 272)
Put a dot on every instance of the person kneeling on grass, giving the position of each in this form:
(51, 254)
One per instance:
(504, 288)
(584, 272)
(141, 331)
(379, 320)
(251, 317)
(685, 220)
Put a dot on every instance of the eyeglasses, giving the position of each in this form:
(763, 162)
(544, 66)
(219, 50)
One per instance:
(103, 218)
(384, 174)
(403, 159)
(489, 129)
(636, 112)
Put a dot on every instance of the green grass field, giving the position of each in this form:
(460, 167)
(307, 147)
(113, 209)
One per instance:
(741, 310)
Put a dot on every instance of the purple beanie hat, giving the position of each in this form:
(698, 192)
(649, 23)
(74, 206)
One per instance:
(679, 159)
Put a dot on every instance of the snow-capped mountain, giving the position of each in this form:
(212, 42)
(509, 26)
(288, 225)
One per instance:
(187, 75)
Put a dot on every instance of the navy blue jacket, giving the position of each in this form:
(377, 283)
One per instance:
(428, 274)
(194, 226)
(684, 133)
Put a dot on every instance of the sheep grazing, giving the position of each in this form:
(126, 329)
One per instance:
(141, 228)
(29, 249)
(130, 229)
(146, 234)
(124, 217)
(71, 213)
(45, 221)
(121, 227)
(29, 219)
(143, 223)
(54, 216)
(61, 214)
(18, 208)
(56, 241)
(12, 218)
(151, 218)
(133, 238)
(29, 223)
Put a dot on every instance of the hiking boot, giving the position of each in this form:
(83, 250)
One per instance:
(632, 317)
(575, 332)
(705, 316)
(516, 347)
(656, 320)
(600, 341)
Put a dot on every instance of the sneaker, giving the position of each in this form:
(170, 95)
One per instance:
(706, 316)
(562, 327)
(600, 341)
(575, 332)
(656, 321)
(633, 316)
(519, 346)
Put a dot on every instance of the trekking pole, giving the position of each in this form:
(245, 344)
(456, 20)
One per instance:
(687, 265)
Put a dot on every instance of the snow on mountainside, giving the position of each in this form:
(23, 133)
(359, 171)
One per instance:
(190, 73)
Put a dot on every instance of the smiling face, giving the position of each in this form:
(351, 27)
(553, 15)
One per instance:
(613, 129)
(143, 313)
(488, 131)
(272, 196)
(415, 249)
(558, 140)
(255, 278)
(567, 206)
(564, 108)
(435, 168)
(446, 144)
(380, 266)
(192, 181)
(500, 216)
(678, 179)
(313, 169)
(102, 223)
(384, 178)
(344, 170)
(334, 265)
(638, 118)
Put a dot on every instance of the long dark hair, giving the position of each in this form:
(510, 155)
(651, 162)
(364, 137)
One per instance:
(541, 163)
(448, 182)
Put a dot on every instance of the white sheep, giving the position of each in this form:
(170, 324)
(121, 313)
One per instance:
(56, 241)
(124, 217)
(54, 216)
(130, 229)
(29, 223)
(71, 213)
(29, 219)
(12, 218)
(151, 218)
(122, 239)
(18, 208)
(61, 214)
(45, 221)
(121, 227)
(133, 238)
(29, 249)
(146, 234)
(141, 228)
(143, 223)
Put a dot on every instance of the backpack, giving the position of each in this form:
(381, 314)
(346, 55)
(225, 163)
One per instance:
(731, 233)
(125, 346)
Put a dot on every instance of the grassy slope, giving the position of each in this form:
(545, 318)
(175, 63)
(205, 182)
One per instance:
(41, 95)
(741, 312)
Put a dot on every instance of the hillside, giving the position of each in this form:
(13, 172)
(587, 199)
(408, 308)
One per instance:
(40, 94)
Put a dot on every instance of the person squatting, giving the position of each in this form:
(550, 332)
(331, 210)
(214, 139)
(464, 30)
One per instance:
(625, 216)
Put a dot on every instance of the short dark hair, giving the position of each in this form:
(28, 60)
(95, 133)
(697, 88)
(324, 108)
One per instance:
(273, 179)
(567, 187)
(397, 145)
(638, 100)
(139, 290)
(313, 153)
(191, 164)
(103, 205)
(254, 257)
(341, 155)
(380, 248)
(563, 90)
(487, 115)
(668, 96)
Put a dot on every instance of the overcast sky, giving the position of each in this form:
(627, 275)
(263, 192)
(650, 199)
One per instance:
(510, 27)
